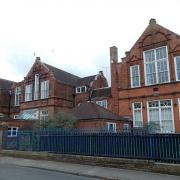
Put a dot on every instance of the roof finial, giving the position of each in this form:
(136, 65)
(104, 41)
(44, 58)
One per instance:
(152, 21)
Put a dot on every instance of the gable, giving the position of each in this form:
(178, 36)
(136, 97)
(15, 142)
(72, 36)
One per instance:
(37, 68)
(154, 36)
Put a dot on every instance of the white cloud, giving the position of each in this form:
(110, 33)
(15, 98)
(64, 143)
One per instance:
(74, 35)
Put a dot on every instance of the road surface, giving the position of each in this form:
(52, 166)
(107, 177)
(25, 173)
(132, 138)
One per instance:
(26, 169)
(15, 172)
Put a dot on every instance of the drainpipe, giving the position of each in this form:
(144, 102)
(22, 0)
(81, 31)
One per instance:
(10, 92)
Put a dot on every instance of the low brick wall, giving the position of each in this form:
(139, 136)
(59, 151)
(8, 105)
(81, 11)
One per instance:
(122, 163)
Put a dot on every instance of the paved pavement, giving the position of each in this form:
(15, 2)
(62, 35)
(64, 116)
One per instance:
(53, 168)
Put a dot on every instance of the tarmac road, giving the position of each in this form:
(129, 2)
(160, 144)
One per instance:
(15, 172)
(27, 169)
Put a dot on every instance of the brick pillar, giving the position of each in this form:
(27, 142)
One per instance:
(114, 78)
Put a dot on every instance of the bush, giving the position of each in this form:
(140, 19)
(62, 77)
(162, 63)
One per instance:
(58, 120)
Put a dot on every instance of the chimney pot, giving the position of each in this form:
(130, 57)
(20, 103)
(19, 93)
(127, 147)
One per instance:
(38, 58)
(127, 53)
(152, 21)
(101, 72)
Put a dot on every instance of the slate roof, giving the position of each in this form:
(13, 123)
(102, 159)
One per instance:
(63, 76)
(68, 78)
(85, 81)
(102, 92)
(90, 111)
(5, 84)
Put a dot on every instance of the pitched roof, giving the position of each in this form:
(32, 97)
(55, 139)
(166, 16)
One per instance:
(63, 76)
(85, 81)
(5, 84)
(101, 92)
(90, 110)
(68, 78)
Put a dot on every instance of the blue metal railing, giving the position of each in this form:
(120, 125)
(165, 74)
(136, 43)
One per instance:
(157, 147)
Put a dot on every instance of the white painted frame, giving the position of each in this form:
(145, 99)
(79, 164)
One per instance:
(11, 135)
(131, 77)
(156, 66)
(114, 126)
(19, 95)
(78, 92)
(175, 66)
(141, 114)
(172, 112)
(36, 87)
(44, 84)
(41, 115)
(29, 97)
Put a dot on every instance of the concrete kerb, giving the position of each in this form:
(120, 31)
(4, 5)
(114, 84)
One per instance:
(132, 164)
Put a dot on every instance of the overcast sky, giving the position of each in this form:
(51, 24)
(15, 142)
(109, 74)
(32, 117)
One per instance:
(75, 35)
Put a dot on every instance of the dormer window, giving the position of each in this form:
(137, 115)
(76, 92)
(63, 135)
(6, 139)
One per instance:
(81, 89)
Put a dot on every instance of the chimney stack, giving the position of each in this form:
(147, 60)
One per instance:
(114, 54)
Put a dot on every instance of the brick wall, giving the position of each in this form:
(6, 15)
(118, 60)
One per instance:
(99, 124)
(154, 36)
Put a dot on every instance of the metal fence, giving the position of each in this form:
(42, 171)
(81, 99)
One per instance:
(157, 147)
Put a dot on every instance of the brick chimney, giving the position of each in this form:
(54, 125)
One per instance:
(114, 78)
(114, 54)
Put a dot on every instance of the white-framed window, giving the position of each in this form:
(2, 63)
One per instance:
(36, 87)
(44, 89)
(177, 67)
(160, 114)
(28, 92)
(81, 89)
(17, 96)
(44, 114)
(12, 131)
(102, 103)
(156, 66)
(111, 127)
(137, 114)
(135, 76)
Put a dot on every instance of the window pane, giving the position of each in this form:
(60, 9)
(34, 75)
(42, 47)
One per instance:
(135, 76)
(177, 61)
(44, 89)
(161, 53)
(137, 115)
(150, 73)
(160, 113)
(156, 66)
(149, 56)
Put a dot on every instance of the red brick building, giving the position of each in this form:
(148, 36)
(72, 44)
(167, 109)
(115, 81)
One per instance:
(145, 84)
(5, 96)
(46, 90)
(94, 117)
